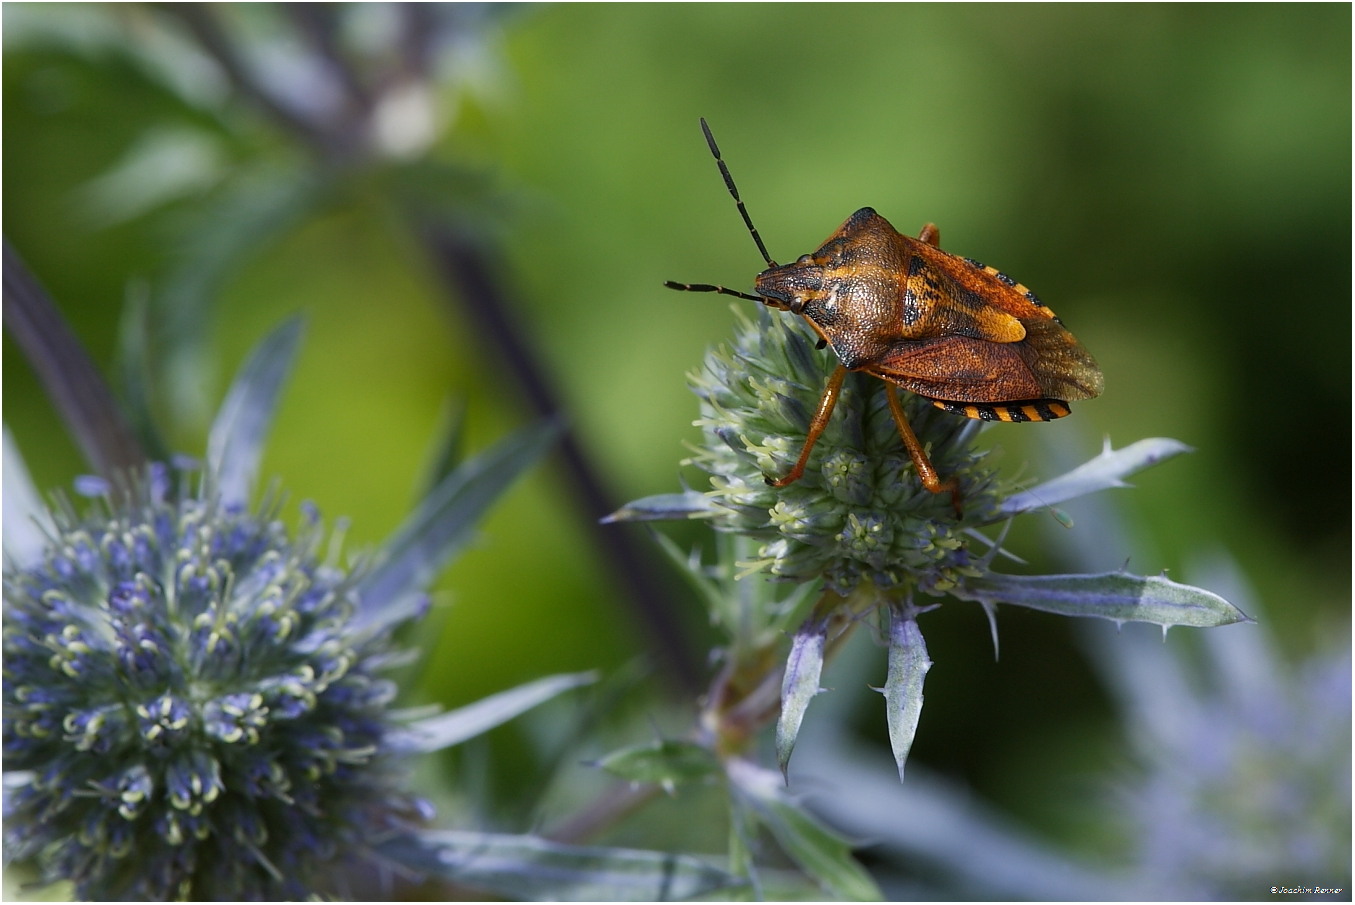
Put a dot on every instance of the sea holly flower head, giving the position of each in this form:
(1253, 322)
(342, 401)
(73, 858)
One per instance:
(197, 701)
(198, 710)
(860, 526)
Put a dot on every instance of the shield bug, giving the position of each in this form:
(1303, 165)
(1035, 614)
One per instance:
(967, 337)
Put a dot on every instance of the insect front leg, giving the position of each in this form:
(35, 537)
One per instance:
(826, 403)
(926, 472)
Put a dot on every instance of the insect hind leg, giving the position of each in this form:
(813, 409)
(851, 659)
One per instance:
(926, 471)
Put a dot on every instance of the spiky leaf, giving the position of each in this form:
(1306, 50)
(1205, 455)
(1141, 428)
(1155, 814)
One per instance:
(235, 444)
(444, 522)
(817, 850)
(1118, 596)
(456, 726)
(1106, 470)
(666, 763)
(908, 665)
(664, 507)
(532, 868)
(804, 667)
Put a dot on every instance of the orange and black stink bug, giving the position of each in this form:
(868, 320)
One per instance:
(967, 337)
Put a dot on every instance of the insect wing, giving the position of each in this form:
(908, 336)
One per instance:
(959, 369)
(1001, 342)
(1063, 367)
(1048, 364)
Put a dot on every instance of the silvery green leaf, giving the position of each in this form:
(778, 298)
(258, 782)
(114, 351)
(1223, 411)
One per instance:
(531, 868)
(666, 763)
(817, 850)
(908, 665)
(1118, 596)
(1105, 471)
(664, 507)
(26, 521)
(442, 524)
(804, 667)
(456, 726)
(235, 444)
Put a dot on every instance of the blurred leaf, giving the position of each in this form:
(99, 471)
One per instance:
(442, 524)
(456, 726)
(434, 190)
(531, 868)
(940, 827)
(223, 233)
(133, 366)
(908, 666)
(165, 163)
(665, 763)
(235, 444)
(820, 852)
(804, 667)
(449, 453)
(73, 383)
(25, 519)
(1117, 596)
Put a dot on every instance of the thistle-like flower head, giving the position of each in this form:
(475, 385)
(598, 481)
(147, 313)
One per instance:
(858, 513)
(195, 700)
(859, 523)
(199, 713)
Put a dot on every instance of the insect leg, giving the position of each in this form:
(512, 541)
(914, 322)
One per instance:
(931, 235)
(825, 411)
(926, 472)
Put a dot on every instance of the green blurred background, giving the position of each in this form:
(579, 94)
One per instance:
(1173, 180)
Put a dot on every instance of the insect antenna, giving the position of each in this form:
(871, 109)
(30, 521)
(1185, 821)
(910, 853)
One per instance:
(706, 287)
(729, 184)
